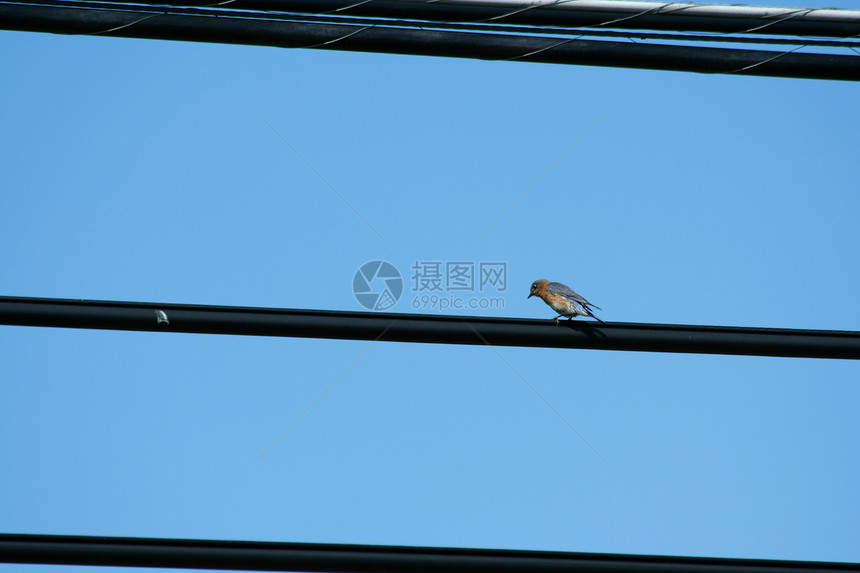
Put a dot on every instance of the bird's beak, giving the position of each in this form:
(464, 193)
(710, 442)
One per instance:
(531, 294)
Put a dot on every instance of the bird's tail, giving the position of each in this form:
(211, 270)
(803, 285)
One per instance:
(591, 314)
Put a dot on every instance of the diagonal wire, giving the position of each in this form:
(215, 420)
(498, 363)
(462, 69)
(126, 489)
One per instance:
(321, 394)
(120, 27)
(536, 179)
(539, 395)
(798, 12)
(763, 62)
(518, 11)
(324, 180)
(349, 7)
(538, 51)
(630, 17)
(327, 43)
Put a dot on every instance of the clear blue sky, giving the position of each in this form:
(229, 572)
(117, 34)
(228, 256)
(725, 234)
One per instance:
(146, 171)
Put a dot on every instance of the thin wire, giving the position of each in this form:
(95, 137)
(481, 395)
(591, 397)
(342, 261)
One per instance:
(326, 43)
(625, 18)
(115, 28)
(324, 180)
(536, 179)
(519, 10)
(539, 395)
(321, 394)
(349, 7)
(763, 62)
(771, 23)
(539, 50)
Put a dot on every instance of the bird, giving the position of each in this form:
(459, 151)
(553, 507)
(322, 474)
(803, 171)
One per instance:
(563, 300)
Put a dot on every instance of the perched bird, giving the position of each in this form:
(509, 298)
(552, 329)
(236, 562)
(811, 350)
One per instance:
(563, 300)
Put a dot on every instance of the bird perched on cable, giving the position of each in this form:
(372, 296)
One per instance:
(563, 300)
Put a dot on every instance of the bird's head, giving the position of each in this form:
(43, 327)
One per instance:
(538, 288)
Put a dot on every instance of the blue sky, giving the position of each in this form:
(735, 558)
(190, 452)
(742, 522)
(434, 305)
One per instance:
(148, 171)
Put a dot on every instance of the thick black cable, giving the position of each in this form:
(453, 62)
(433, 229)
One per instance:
(548, 15)
(270, 556)
(144, 10)
(430, 42)
(344, 325)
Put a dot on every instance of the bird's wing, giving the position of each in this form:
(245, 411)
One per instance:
(565, 291)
